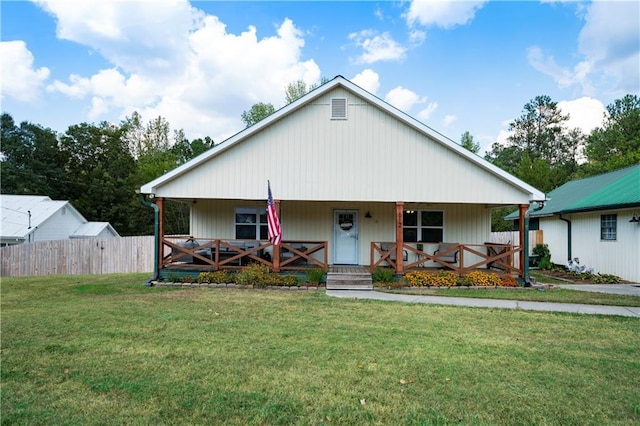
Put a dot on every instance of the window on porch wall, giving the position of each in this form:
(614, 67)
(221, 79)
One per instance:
(423, 226)
(608, 227)
(251, 224)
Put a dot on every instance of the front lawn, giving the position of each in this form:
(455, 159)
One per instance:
(108, 350)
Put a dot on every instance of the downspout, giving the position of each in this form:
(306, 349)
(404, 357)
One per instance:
(156, 233)
(568, 236)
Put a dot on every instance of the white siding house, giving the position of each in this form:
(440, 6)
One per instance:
(31, 218)
(596, 220)
(337, 156)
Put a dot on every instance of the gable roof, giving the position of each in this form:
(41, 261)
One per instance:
(93, 229)
(340, 82)
(23, 214)
(617, 189)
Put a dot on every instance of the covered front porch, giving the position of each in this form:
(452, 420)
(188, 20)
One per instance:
(363, 224)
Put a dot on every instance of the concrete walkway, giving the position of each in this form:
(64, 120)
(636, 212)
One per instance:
(629, 289)
(489, 303)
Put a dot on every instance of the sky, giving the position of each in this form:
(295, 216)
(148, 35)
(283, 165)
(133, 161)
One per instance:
(456, 66)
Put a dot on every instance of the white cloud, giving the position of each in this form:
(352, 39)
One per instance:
(20, 80)
(449, 120)
(377, 47)
(564, 77)
(403, 99)
(179, 63)
(584, 113)
(609, 47)
(426, 113)
(610, 40)
(368, 79)
(442, 13)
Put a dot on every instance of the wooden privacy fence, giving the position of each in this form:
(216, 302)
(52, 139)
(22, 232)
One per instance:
(79, 256)
(535, 238)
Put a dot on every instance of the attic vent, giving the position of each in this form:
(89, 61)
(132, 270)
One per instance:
(338, 108)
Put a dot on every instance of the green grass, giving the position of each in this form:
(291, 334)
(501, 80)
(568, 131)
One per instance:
(557, 295)
(107, 350)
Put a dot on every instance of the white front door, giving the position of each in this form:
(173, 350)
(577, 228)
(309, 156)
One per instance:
(345, 237)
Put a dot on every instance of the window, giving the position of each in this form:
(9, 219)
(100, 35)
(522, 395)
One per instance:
(251, 224)
(423, 226)
(608, 225)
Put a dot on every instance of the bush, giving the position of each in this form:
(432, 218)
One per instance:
(607, 279)
(189, 279)
(255, 274)
(482, 279)
(509, 281)
(431, 279)
(383, 275)
(543, 251)
(216, 277)
(315, 275)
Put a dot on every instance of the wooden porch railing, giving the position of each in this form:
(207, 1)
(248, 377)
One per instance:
(214, 254)
(487, 255)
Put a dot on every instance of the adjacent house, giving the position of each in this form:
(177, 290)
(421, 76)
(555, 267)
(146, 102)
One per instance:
(355, 182)
(30, 218)
(596, 220)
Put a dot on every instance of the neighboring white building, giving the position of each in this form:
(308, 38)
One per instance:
(348, 171)
(596, 220)
(30, 218)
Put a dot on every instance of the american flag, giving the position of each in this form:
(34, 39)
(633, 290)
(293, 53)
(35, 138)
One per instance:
(275, 233)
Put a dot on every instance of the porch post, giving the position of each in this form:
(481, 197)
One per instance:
(399, 238)
(276, 249)
(523, 237)
(160, 204)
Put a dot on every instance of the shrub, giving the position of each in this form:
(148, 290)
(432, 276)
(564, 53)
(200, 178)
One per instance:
(431, 279)
(315, 275)
(172, 277)
(383, 275)
(188, 279)
(606, 279)
(216, 277)
(482, 279)
(543, 251)
(509, 281)
(255, 274)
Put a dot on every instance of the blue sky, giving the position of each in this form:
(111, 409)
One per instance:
(454, 65)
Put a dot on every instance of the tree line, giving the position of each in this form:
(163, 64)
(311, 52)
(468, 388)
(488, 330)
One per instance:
(99, 167)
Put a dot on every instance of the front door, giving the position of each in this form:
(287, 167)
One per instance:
(345, 237)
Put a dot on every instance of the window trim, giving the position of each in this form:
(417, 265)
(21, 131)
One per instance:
(610, 232)
(419, 227)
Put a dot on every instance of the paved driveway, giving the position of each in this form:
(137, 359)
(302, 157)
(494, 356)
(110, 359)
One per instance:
(631, 289)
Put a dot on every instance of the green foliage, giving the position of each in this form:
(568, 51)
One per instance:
(431, 279)
(383, 275)
(543, 251)
(315, 275)
(257, 112)
(466, 140)
(216, 277)
(259, 275)
(606, 279)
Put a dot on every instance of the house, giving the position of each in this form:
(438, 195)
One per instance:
(355, 182)
(30, 218)
(596, 220)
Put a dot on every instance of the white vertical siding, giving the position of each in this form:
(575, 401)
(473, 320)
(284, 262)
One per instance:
(371, 156)
(59, 226)
(620, 257)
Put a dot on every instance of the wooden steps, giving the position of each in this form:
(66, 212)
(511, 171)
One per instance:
(349, 281)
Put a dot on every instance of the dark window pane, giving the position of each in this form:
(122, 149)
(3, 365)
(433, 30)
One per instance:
(245, 218)
(410, 218)
(430, 235)
(432, 219)
(263, 216)
(410, 235)
(245, 232)
(264, 232)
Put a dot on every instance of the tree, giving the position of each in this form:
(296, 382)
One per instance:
(256, 113)
(617, 143)
(297, 89)
(100, 171)
(32, 163)
(466, 140)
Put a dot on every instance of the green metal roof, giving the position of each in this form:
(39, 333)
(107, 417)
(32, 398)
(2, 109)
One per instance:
(617, 189)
